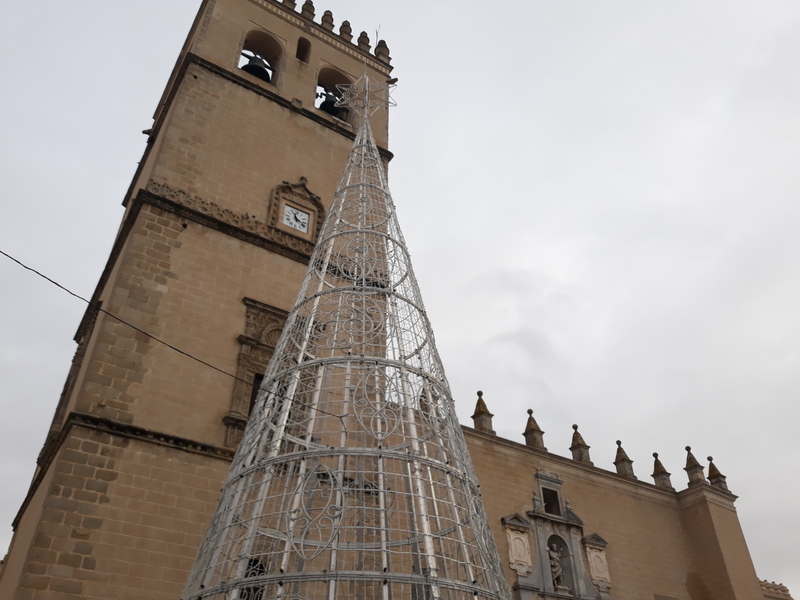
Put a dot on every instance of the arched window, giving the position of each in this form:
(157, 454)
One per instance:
(303, 49)
(328, 93)
(261, 54)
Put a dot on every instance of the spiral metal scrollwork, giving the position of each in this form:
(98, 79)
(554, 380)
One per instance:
(316, 519)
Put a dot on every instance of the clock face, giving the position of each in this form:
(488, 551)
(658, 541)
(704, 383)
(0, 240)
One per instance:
(297, 219)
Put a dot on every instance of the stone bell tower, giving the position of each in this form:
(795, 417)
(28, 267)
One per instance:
(220, 221)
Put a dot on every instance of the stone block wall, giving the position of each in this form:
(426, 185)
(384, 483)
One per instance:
(229, 145)
(126, 509)
(122, 518)
(686, 545)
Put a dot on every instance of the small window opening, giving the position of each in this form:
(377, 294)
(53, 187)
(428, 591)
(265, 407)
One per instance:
(257, 380)
(328, 94)
(303, 49)
(552, 506)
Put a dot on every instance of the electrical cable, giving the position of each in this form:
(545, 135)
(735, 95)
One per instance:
(151, 336)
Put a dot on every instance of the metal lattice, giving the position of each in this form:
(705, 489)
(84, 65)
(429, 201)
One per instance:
(353, 478)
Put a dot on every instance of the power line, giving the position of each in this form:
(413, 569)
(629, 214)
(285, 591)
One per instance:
(151, 336)
(113, 316)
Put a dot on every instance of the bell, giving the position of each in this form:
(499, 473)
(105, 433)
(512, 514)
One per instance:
(257, 67)
(329, 104)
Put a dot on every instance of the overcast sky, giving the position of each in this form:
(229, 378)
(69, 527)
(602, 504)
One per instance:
(600, 199)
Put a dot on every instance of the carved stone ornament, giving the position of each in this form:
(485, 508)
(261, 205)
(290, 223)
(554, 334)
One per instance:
(598, 566)
(263, 323)
(596, 557)
(519, 552)
(271, 231)
(549, 479)
(519, 547)
(263, 327)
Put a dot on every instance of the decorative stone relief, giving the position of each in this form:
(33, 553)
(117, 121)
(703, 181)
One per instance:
(270, 230)
(263, 323)
(547, 475)
(263, 327)
(598, 565)
(519, 546)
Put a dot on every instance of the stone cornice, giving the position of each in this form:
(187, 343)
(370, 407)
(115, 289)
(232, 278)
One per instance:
(248, 341)
(162, 439)
(283, 314)
(242, 226)
(93, 422)
(710, 493)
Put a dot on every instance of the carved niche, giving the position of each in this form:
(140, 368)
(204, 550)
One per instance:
(263, 327)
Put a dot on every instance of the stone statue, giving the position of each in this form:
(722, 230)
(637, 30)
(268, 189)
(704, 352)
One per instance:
(556, 569)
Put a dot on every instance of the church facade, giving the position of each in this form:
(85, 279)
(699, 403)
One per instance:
(220, 221)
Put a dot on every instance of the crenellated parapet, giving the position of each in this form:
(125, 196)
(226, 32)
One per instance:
(327, 23)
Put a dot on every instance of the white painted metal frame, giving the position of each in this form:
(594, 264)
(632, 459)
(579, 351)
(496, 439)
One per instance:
(353, 478)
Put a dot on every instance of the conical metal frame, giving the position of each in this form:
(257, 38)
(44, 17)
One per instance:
(353, 478)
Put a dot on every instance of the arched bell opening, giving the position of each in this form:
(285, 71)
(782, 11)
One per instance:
(328, 94)
(260, 56)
